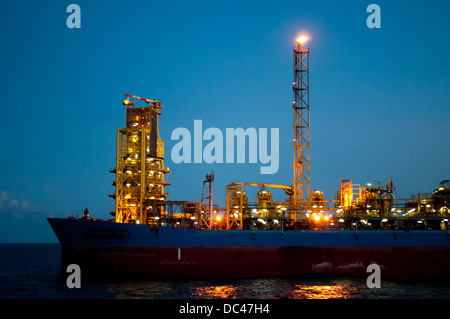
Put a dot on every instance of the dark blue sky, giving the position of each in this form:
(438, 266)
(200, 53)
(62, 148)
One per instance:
(379, 97)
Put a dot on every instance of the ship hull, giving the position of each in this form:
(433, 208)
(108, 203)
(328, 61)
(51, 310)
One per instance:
(106, 248)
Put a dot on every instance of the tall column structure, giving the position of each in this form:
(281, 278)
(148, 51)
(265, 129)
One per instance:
(302, 185)
(140, 172)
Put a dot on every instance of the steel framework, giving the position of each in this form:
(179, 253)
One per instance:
(301, 129)
(140, 171)
(207, 215)
(236, 206)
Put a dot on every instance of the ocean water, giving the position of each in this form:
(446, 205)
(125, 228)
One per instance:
(32, 271)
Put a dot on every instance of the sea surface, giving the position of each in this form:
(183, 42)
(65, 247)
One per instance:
(32, 271)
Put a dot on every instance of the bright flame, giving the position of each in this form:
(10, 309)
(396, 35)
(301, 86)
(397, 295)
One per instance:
(302, 39)
(317, 218)
(218, 218)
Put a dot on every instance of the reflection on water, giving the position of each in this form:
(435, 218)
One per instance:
(137, 289)
(324, 292)
(268, 288)
(214, 292)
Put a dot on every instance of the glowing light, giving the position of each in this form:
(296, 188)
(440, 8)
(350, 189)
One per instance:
(302, 39)
(218, 218)
(212, 292)
(317, 218)
(324, 292)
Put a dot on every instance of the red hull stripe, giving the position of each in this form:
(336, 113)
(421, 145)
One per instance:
(238, 262)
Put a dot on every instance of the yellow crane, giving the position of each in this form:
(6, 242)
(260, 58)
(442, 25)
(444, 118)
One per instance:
(288, 189)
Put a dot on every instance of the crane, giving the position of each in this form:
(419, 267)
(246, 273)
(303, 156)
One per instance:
(288, 189)
(140, 98)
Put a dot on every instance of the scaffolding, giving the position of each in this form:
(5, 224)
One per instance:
(140, 172)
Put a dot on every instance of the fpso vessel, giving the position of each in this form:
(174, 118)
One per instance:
(155, 237)
(102, 247)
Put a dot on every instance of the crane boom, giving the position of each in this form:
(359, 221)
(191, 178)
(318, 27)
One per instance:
(140, 98)
(288, 189)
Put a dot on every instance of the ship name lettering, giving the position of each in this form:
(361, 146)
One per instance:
(107, 233)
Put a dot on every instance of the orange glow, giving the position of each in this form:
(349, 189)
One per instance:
(317, 218)
(218, 218)
(302, 39)
(324, 292)
(223, 292)
(346, 193)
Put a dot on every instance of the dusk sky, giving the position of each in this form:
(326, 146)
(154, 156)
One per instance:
(379, 98)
